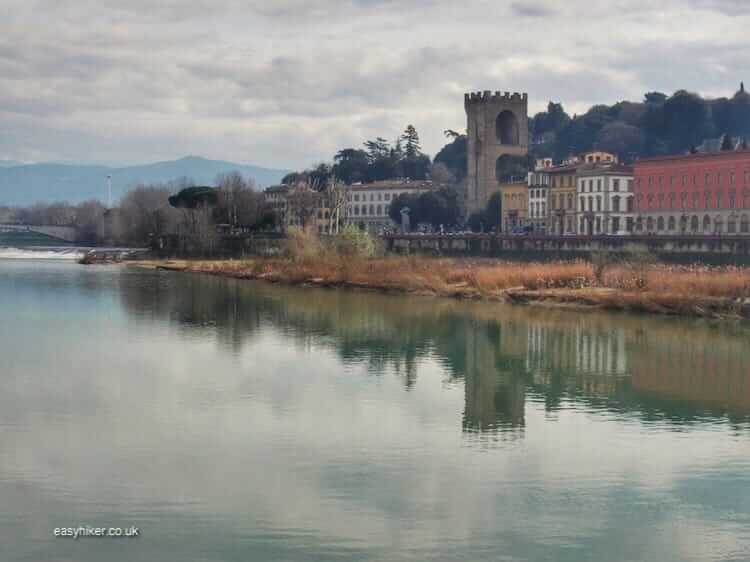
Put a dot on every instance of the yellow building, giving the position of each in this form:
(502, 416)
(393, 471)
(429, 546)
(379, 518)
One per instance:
(562, 200)
(515, 205)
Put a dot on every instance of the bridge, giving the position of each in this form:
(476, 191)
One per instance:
(63, 233)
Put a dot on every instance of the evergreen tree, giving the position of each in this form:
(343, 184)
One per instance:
(412, 148)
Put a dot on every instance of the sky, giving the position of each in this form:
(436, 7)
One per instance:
(286, 83)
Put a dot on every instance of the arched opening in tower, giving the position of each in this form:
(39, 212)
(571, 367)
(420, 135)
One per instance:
(506, 128)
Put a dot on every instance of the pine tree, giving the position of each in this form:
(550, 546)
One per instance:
(412, 148)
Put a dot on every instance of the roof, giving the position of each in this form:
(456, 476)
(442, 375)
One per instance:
(392, 184)
(699, 156)
(605, 170)
(283, 188)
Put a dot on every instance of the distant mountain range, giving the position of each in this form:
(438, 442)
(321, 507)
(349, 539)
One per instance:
(24, 184)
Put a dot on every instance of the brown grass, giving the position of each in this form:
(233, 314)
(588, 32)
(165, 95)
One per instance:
(694, 290)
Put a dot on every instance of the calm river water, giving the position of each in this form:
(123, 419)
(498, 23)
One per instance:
(245, 422)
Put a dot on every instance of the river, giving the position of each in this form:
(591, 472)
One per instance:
(236, 421)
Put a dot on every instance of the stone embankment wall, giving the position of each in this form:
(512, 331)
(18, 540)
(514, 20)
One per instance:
(686, 249)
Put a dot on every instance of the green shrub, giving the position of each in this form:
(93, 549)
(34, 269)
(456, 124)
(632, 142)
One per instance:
(352, 242)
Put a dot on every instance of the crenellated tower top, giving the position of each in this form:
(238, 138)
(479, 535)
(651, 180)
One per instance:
(498, 96)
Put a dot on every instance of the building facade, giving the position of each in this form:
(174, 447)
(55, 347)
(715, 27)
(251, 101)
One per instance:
(605, 200)
(515, 205)
(704, 193)
(538, 184)
(369, 203)
(562, 215)
(497, 127)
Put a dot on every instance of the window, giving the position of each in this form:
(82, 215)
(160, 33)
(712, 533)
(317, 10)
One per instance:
(356, 209)
(630, 204)
(387, 196)
(598, 203)
(630, 185)
(660, 224)
(731, 178)
(744, 224)
(583, 204)
(718, 200)
(598, 185)
(671, 200)
(615, 185)
(661, 200)
(671, 181)
(356, 197)
(672, 223)
(570, 203)
(616, 204)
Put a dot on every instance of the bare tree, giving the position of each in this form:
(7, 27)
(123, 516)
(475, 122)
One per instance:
(336, 195)
(145, 214)
(301, 204)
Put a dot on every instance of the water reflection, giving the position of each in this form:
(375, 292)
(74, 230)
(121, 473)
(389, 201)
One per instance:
(241, 421)
(676, 370)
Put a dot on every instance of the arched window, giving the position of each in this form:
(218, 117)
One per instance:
(506, 128)
(706, 224)
(671, 224)
(732, 224)
(650, 224)
(744, 224)
(639, 224)
(660, 224)
(694, 223)
(718, 225)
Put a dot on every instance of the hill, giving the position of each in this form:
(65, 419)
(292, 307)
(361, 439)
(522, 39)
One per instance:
(27, 184)
(659, 124)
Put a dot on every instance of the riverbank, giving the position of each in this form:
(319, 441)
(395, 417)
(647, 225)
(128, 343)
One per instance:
(722, 292)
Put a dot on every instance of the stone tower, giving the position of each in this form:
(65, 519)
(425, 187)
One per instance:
(497, 125)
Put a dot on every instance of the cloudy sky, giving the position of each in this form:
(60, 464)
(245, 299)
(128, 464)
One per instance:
(284, 83)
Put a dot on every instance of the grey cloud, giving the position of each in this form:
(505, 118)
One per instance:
(531, 9)
(285, 83)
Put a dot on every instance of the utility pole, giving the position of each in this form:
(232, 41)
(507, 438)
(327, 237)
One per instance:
(109, 191)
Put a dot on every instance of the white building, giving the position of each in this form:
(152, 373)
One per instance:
(369, 203)
(606, 201)
(538, 192)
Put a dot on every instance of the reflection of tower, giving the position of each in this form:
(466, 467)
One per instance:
(497, 126)
(494, 388)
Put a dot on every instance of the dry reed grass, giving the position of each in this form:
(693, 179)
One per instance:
(701, 290)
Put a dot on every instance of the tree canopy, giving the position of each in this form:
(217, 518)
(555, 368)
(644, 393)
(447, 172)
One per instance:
(660, 124)
(193, 197)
